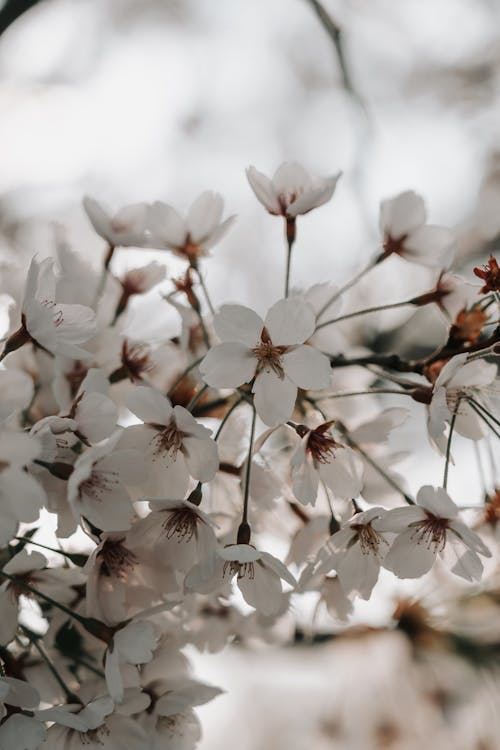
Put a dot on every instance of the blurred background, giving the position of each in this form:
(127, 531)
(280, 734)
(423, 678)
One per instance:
(143, 100)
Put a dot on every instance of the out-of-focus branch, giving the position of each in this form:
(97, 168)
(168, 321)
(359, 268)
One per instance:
(335, 33)
(11, 11)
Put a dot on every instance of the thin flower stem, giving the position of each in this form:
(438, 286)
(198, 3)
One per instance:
(379, 470)
(485, 411)
(205, 290)
(480, 469)
(367, 310)
(75, 557)
(183, 374)
(244, 518)
(347, 286)
(484, 418)
(448, 445)
(226, 417)
(71, 697)
(289, 242)
(326, 397)
(197, 397)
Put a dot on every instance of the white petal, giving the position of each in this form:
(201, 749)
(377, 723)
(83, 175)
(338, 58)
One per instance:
(431, 246)
(290, 321)
(263, 189)
(402, 214)
(274, 399)
(228, 365)
(437, 501)
(307, 367)
(238, 323)
(408, 558)
(204, 215)
(202, 458)
(150, 406)
(305, 479)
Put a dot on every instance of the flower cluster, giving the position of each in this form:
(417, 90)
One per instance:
(143, 478)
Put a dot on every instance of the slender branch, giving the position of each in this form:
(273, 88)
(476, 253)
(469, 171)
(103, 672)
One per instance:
(183, 374)
(205, 290)
(482, 408)
(244, 518)
(346, 287)
(328, 396)
(448, 444)
(290, 235)
(484, 418)
(367, 310)
(226, 417)
(75, 557)
(35, 640)
(197, 397)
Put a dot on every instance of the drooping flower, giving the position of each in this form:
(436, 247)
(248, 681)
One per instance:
(56, 328)
(258, 576)
(175, 446)
(176, 532)
(97, 487)
(292, 190)
(192, 237)
(405, 232)
(320, 456)
(356, 553)
(125, 228)
(429, 529)
(458, 382)
(272, 351)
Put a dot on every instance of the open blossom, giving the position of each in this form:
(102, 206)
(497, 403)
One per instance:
(292, 190)
(97, 487)
(356, 553)
(57, 328)
(125, 228)
(320, 456)
(175, 446)
(258, 575)
(458, 382)
(272, 351)
(429, 529)
(176, 532)
(405, 232)
(192, 237)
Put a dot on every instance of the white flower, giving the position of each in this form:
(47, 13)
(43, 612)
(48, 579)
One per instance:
(175, 446)
(176, 532)
(320, 456)
(292, 190)
(458, 382)
(97, 485)
(356, 553)
(22, 732)
(133, 644)
(125, 228)
(405, 233)
(22, 565)
(18, 693)
(16, 392)
(57, 328)
(272, 351)
(428, 529)
(21, 497)
(193, 236)
(258, 575)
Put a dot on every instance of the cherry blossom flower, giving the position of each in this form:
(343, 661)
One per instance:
(192, 237)
(23, 566)
(54, 327)
(21, 495)
(429, 529)
(272, 351)
(176, 532)
(458, 381)
(132, 644)
(405, 232)
(175, 446)
(123, 229)
(490, 274)
(292, 190)
(97, 486)
(258, 575)
(320, 456)
(356, 553)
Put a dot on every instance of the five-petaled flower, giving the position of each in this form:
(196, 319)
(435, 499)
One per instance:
(292, 190)
(405, 232)
(269, 352)
(429, 529)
